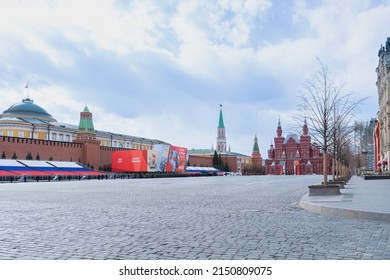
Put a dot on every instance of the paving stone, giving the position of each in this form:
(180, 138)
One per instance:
(182, 218)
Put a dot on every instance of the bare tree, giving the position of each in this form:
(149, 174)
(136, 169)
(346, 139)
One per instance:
(327, 109)
(341, 149)
(344, 126)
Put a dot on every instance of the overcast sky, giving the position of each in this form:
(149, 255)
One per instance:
(160, 69)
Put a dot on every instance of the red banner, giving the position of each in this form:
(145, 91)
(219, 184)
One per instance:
(176, 159)
(129, 161)
(172, 159)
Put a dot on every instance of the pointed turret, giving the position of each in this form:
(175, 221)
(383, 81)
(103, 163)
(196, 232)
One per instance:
(305, 129)
(256, 145)
(271, 151)
(257, 160)
(220, 123)
(279, 130)
(221, 138)
(86, 129)
(305, 140)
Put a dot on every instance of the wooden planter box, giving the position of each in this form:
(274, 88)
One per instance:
(330, 189)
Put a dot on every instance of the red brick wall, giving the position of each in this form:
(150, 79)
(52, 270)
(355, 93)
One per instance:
(257, 161)
(231, 161)
(200, 161)
(85, 151)
(105, 156)
(62, 151)
(90, 152)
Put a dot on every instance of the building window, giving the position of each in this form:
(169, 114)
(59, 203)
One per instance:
(54, 136)
(1, 133)
(67, 138)
(10, 133)
(61, 137)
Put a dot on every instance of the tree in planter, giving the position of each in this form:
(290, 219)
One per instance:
(29, 156)
(326, 106)
(341, 149)
(3, 156)
(38, 157)
(14, 156)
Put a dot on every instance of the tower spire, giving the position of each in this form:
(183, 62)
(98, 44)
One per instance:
(220, 123)
(279, 130)
(256, 145)
(221, 138)
(305, 129)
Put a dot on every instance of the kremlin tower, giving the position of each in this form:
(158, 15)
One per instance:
(257, 160)
(221, 138)
(86, 135)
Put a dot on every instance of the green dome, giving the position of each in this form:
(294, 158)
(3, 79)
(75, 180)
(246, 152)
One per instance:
(27, 109)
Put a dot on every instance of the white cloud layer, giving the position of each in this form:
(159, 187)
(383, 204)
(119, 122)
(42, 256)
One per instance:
(160, 69)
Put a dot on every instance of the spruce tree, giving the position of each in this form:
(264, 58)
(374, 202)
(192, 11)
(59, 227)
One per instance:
(226, 167)
(215, 159)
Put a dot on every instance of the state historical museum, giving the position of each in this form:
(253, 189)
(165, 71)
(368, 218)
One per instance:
(295, 155)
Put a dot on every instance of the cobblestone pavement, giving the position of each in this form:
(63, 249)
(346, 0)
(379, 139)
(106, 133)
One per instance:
(234, 217)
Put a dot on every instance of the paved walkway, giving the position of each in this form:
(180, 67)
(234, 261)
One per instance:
(361, 199)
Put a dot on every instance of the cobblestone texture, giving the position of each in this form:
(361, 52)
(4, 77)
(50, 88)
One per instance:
(179, 218)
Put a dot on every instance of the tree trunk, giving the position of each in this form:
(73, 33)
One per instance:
(325, 170)
(334, 168)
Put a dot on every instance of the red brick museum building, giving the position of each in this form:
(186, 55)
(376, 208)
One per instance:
(294, 154)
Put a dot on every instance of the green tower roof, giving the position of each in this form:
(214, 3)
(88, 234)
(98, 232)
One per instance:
(86, 123)
(256, 145)
(220, 123)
